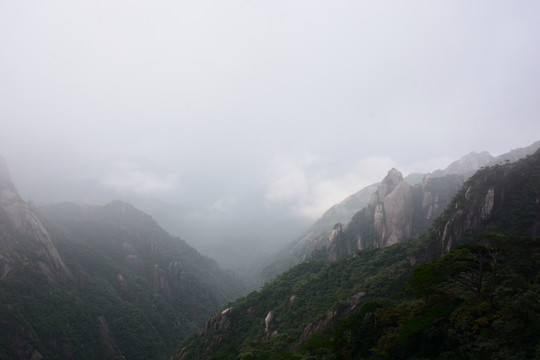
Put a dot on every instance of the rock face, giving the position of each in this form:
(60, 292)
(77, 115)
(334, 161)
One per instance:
(388, 212)
(336, 246)
(317, 236)
(220, 322)
(24, 241)
(393, 208)
(396, 211)
(499, 197)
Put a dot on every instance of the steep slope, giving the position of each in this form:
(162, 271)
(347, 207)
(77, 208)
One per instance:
(387, 213)
(24, 242)
(467, 165)
(502, 198)
(98, 282)
(396, 211)
(478, 300)
(472, 162)
(317, 235)
(382, 225)
(274, 322)
(516, 154)
(132, 238)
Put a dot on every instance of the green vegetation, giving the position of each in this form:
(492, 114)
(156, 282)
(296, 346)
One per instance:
(305, 295)
(480, 299)
(135, 291)
(476, 302)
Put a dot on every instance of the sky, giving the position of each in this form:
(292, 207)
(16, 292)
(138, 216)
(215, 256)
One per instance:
(243, 121)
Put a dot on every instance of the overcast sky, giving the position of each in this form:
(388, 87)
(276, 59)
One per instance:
(246, 107)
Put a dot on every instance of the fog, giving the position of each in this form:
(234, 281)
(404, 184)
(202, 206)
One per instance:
(237, 123)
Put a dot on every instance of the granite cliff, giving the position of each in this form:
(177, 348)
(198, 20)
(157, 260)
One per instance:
(418, 298)
(396, 211)
(24, 241)
(503, 198)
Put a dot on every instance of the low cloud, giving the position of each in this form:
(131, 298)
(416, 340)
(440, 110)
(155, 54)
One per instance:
(127, 177)
(308, 191)
(428, 165)
(223, 205)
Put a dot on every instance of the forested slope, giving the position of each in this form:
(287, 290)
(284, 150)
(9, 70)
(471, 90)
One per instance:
(475, 297)
(98, 282)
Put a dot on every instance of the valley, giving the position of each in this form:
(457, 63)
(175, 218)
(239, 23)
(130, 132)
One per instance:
(88, 281)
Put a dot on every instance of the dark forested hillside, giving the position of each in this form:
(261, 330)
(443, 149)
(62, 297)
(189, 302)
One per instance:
(98, 282)
(502, 198)
(475, 296)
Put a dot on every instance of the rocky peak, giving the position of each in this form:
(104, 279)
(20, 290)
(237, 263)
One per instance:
(393, 217)
(398, 210)
(387, 185)
(391, 208)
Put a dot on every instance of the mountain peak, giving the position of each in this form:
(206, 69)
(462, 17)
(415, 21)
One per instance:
(386, 186)
(393, 177)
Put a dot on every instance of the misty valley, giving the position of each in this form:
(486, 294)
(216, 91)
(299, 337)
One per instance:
(442, 265)
(269, 180)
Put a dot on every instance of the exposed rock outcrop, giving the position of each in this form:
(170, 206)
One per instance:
(214, 330)
(331, 316)
(316, 237)
(219, 323)
(382, 214)
(391, 210)
(24, 241)
(269, 325)
(336, 245)
(503, 196)
(396, 211)
(108, 340)
(393, 216)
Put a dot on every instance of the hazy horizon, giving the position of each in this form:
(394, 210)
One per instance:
(246, 120)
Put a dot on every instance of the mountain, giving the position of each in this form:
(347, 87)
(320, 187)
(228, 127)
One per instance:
(468, 288)
(24, 242)
(385, 213)
(517, 154)
(377, 216)
(470, 163)
(132, 238)
(98, 282)
(317, 234)
(398, 211)
(502, 198)
(467, 165)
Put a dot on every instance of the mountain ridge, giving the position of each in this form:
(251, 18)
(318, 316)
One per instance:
(475, 296)
(98, 282)
(430, 194)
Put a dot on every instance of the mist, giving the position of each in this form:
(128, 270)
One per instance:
(236, 124)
